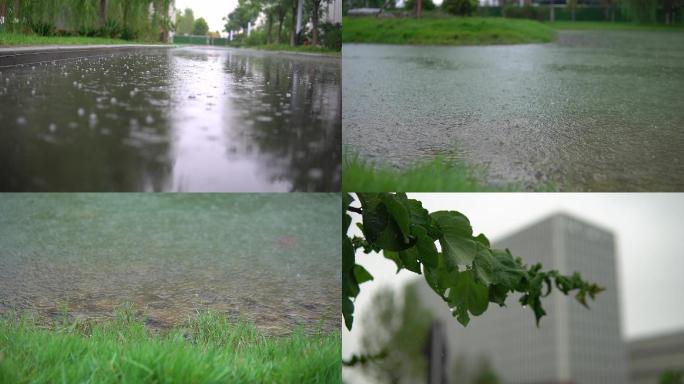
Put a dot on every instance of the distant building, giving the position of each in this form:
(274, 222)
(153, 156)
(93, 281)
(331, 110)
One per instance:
(650, 357)
(572, 344)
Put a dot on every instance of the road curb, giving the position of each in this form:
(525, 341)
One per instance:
(14, 56)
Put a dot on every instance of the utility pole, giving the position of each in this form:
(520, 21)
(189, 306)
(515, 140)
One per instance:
(435, 352)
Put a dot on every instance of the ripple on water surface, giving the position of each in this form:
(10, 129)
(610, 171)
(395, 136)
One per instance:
(593, 111)
(272, 259)
(137, 122)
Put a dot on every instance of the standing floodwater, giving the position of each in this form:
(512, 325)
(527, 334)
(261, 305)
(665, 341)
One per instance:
(269, 258)
(177, 119)
(597, 110)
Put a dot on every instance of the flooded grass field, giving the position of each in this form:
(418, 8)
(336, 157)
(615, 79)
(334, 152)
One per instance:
(272, 260)
(594, 111)
(172, 119)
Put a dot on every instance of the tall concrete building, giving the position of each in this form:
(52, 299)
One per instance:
(572, 344)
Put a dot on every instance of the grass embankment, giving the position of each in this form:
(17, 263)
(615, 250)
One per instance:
(440, 30)
(287, 48)
(16, 39)
(602, 25)
(437, 175)
(208, 349)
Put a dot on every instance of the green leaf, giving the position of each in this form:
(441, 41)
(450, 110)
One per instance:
(398, 212)
(409, 258)
(361, 274)
(497, 267)
(469, 294)
(425, 246)
(348, 312)
(394, 256)
(482, 239)
(379, 227)
(458, 246)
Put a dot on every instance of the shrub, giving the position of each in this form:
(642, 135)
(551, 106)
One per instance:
(43, 28)
(460, 7)
(332, 36)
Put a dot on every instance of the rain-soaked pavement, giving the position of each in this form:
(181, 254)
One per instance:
(269, 258)
(593, 111)
(174, 119)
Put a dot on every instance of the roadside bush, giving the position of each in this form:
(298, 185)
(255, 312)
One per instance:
(43, 28)
(111, 29)
(332, 36)
(129, 33)
(256, 37)
(428, 5)
(460, 7)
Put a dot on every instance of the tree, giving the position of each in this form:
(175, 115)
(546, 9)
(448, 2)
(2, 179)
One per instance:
(315, 13)
(460, 7)
(280, 13)
(103, 12)
(572, 6)
(642, 11)
(200, 27)
(400, 329)
(245, 13)
(467, 274)
(428, 5)
(185, 22)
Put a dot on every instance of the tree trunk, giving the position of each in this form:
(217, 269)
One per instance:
(293, 35)
(314, 21)
(419, 8)
(269, 27)
(103, 12)
(281, 20)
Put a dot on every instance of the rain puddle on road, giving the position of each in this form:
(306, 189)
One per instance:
(597, 110)
(269, 258)
(177, 119)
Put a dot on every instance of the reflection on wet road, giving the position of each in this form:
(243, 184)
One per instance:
(178, 119)
(269, 258)
(597, 110)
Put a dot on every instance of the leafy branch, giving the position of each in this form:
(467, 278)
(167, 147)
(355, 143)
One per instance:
(467, 274)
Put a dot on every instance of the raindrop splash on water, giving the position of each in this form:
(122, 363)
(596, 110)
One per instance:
(21, 120)
(52, 127)
(81, 111)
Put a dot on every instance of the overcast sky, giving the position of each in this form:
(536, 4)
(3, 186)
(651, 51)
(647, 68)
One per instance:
(212, 10)
(649, 231)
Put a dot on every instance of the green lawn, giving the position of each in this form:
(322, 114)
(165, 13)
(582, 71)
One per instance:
(15, 39)
(208, 349)
(438, 175)
(440, 30)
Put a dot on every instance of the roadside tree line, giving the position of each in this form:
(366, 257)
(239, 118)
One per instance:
(283, 21)
(642, 11)
(126, 19)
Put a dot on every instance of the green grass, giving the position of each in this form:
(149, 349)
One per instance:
(438, 30)
(299, 48)
(208, 349)
(16, 39)
(599, 25)
(437, 175)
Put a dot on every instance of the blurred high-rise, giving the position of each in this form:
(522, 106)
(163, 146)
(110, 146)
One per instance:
(572, 344)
